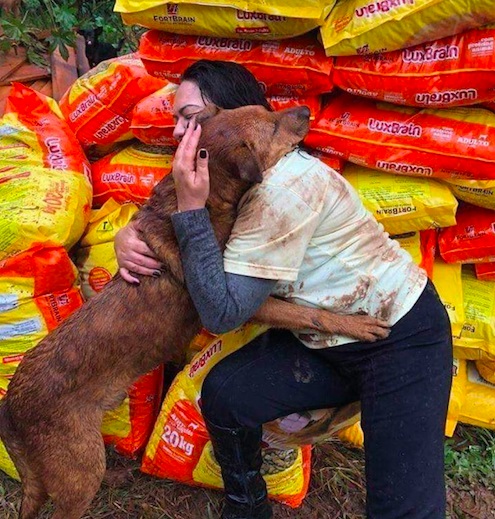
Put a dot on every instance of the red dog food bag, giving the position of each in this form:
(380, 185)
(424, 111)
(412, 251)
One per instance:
(330, 160)
(447, 143)
(130, 175)
(454, 71)
(472, 239)
(293, 67)
(283, 102)
(129, 426)
(98, 106)
(485, 271)
(153, 119)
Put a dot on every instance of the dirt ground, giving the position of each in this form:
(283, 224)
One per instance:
(336, 492)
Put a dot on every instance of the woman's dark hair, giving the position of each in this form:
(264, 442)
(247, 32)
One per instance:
(226, 84)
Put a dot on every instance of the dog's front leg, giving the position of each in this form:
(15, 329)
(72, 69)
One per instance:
(281, 314)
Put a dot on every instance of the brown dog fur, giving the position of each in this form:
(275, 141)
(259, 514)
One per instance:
(51, 416)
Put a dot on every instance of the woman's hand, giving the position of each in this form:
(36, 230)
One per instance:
(190, 171)
(133, 255)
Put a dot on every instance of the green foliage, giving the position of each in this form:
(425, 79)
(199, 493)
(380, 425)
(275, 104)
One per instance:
(46, 25)
(470, 457)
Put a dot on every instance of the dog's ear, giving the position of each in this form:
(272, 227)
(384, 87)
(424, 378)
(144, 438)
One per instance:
(208, 112)
(249, 168)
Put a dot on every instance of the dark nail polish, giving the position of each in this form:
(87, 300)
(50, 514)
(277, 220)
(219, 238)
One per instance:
(157, 273)
(203, 154)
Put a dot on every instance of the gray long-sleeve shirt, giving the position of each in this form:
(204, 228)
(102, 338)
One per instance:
(224, 301)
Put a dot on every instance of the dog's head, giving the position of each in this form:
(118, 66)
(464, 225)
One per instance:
(247, 141)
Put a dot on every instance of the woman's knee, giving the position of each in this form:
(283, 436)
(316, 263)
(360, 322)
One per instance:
(219, 397)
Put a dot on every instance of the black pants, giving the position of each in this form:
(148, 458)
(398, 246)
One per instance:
(403, 383)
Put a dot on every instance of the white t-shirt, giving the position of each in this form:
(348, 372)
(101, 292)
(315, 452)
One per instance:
(306, 227)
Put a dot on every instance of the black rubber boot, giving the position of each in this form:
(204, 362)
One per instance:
(238, 452)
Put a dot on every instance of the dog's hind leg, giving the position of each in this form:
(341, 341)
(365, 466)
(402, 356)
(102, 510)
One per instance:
(73, 472)
(34, 496)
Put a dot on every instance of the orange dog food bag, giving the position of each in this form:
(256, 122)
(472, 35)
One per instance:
(448, 143)
(293, 67)
(485, 271)
(454, 71)
(129, 175)
(129, 426)
(179, 447)
(367, 27)
(234, 19)
(44, 176)
(37, 292)
(98, 106)
(35, 133)
(153, 119)
(472, 239)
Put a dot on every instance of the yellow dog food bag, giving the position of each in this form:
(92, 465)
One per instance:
(448, 282)
(477, 192)
(44, 175)
(6, 463)
(179, 447)
(368, 26)
(479, 404)
(477, 340)
(402, 203)
(233, 19)
(95, 257)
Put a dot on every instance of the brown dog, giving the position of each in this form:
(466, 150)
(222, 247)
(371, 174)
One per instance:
(51, 416)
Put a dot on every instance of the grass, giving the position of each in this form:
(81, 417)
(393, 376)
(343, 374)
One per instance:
(336, 492)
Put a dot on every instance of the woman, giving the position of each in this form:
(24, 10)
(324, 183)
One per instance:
(303, 235)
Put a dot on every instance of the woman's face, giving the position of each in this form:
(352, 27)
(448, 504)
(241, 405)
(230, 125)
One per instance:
(188, 103)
